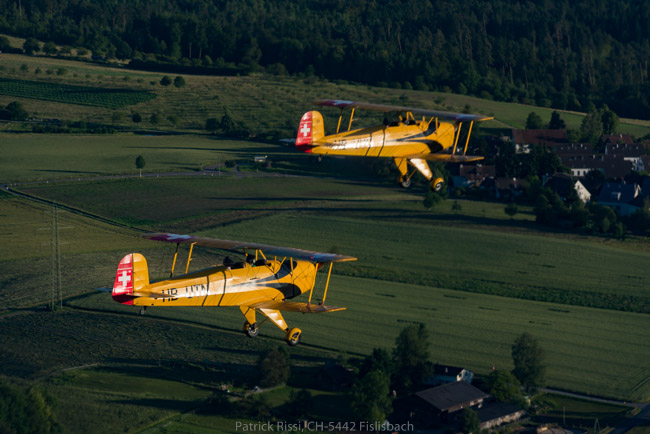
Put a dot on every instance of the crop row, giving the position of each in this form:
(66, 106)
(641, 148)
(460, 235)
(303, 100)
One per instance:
(71, 94)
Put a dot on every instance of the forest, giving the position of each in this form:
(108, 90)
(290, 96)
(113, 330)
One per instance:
(552, 53)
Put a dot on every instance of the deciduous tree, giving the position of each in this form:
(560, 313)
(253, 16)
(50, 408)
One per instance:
(371, 399)
(274, 367)
(468, 422)
(528, 358)
(411, 357)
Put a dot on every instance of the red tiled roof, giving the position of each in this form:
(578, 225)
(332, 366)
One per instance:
(538, 137)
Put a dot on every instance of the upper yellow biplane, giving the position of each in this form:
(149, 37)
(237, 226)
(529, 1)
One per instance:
(262, 283)
(406, 140)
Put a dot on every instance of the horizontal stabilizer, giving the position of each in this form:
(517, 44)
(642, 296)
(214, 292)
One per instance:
(447, 158)
(295, 307)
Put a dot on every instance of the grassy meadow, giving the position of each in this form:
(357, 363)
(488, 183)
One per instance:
(474, 276)
(264, 103)
(424, 268)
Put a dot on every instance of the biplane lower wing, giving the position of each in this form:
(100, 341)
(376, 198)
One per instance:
(447, 158)
(295, 307)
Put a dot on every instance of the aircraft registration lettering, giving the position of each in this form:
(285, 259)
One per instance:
(173, 292)
(198, 290)
(364, 142)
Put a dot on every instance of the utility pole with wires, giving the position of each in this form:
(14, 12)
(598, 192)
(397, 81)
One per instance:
(56, 296)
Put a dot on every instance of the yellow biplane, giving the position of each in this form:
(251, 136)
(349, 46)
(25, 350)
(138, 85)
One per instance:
(406, 140)
(262, 283)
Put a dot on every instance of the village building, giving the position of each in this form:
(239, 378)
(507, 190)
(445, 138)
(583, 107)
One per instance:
(443, 374)
(473, 175)
(524, 139)
(620, 197)
(494, 414)
(562, 184)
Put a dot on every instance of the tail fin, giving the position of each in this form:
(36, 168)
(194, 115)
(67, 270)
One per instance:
(132, 275)
(311, 129)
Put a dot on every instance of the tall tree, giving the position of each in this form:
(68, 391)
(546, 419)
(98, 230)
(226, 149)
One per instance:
(411, 357)
(591, 127)
(534, 122)
(140, 163)
(556, 122)
(528, 358)
(609, 120)
(504, 386)
(370, 396)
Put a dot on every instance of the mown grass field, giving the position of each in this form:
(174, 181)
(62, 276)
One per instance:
(33, 157)
(417, 268)
(263, 102)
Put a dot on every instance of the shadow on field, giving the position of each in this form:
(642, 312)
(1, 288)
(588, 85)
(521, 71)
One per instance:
(65, 171)
(297, 198)
(159, 403)
(523, 224)
(182, 148)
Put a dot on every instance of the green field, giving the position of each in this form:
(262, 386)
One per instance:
(75, 156)
(420, 270)
(81, 95)
(578, 413)
(475, 277)
(264, 103)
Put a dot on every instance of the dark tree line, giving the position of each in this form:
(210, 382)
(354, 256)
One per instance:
(553, 53)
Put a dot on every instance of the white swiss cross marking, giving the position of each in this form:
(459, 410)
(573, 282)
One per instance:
(124, 278)
(305, 129)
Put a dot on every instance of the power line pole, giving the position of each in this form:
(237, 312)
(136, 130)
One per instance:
(56, 292)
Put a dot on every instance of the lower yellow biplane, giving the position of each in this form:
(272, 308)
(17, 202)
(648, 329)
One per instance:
(407, 140)
(262, 283)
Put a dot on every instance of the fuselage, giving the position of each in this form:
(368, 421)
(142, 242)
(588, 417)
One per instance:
(395, 140)
(241, 284)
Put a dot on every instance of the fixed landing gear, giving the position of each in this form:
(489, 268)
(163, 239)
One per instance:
(251, 330)
(436, 184)
(143, 310)
(293, 336)
(404, 182)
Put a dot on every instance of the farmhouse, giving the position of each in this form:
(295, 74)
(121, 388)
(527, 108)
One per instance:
(496, 413)
(443, 374)
(452, 397)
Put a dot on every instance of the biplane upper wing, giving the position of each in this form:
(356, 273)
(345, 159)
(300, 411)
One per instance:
(314, 257)
(459, 117)
(292, 306)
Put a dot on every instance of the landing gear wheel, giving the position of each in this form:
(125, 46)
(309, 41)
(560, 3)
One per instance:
(436, 184)
(293, 337)
(404, 182)
(143, 310)
(251, 330)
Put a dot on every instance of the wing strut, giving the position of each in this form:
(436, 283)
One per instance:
(327, 284)
(460, 125)
(174, 261)
(469, 133)
(189, 258)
